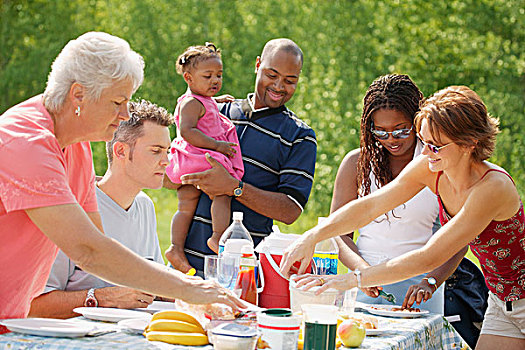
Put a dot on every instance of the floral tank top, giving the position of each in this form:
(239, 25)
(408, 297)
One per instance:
(500, 249)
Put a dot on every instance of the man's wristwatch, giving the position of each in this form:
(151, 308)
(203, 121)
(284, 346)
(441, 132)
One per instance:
(91, 301)
(431, 282)
(237, 192)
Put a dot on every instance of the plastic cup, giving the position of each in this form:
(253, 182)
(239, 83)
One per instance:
(320, 326)
(349, 301)
(211, 263)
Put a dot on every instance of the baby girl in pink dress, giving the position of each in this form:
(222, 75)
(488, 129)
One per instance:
(201, 129)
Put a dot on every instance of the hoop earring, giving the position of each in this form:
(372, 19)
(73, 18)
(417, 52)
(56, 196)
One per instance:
(77, 111)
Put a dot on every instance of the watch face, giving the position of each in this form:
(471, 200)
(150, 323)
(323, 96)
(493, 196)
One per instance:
(91, 302)
(431, 280)
(237, 192)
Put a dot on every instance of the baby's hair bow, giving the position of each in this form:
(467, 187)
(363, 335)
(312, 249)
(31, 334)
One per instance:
(211, 46)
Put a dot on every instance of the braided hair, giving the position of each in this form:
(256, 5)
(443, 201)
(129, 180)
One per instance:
(195, 54)
(395, 92)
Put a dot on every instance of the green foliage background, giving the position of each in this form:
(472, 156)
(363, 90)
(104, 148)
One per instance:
(347, 44)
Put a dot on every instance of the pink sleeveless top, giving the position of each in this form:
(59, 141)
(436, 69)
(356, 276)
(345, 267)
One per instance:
(186, 158)
(500, 249)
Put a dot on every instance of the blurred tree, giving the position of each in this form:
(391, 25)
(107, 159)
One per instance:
(347, 44)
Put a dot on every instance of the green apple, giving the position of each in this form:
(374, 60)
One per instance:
(351, 333)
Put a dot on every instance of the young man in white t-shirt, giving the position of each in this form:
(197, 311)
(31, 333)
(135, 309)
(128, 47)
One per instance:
(138, 157)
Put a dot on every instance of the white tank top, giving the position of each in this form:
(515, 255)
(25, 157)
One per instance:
(409, 229)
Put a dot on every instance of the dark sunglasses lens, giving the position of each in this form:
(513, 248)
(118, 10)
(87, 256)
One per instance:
(380, 134)
(432, 148)
(401, 133)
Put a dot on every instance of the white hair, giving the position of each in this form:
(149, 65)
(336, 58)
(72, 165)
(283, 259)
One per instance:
(95, 60)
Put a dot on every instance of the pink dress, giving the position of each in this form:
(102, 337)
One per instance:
(186, 158)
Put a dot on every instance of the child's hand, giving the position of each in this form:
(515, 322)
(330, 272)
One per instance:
(224, 98)
(226, 148)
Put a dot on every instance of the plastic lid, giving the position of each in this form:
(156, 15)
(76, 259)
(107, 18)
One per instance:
(292, 286)
(247, 251)
(237, 215)
(235, 330)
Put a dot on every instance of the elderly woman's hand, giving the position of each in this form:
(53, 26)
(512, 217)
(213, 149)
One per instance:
(339, 282)
(302, 250)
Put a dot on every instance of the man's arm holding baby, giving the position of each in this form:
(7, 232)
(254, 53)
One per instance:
(217, 181)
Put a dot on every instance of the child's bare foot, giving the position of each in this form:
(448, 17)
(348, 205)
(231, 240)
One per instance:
(177, 258)
(213, 243)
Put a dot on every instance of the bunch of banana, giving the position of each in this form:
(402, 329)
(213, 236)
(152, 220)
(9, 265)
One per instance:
(175, 327)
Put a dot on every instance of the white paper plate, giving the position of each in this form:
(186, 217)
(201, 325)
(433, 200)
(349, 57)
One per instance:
(48, 327)
(385, 310)
(110, 314)
(157, 306)
(376, 331)
(134, 325)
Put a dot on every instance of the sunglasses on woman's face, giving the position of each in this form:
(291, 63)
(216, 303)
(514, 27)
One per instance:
(431, 147)
(397, 134)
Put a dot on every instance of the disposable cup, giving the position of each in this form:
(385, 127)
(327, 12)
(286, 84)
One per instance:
(320, 326)
(349, 301)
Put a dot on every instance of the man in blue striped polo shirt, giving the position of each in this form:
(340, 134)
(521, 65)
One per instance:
(278, 151)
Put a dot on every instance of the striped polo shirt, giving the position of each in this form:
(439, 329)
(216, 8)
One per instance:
(278, 151)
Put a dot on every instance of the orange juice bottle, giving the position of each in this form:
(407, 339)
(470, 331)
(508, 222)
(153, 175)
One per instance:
(246, 277)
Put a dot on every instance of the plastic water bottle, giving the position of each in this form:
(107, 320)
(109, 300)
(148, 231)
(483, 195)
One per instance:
(231, 244)
(326, 256)
(235, 231)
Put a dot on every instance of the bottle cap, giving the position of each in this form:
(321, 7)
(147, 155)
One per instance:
(247, 251)
(237, 215)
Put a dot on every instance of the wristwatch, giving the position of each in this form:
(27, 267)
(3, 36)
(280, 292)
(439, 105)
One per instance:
(237, 192)
(431, 282)
(91, 301)
(357, 274)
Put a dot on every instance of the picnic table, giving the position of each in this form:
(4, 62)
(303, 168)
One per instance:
(427, 332)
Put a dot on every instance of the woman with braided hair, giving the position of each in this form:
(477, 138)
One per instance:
(388, 144)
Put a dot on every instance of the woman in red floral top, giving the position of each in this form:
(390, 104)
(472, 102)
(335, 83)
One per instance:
(479, 206)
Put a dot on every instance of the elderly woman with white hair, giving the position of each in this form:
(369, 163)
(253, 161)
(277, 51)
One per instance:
(47, 193)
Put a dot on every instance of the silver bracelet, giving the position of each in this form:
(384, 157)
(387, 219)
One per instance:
(357, 274)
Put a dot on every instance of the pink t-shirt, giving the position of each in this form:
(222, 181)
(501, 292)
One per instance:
(34, 172)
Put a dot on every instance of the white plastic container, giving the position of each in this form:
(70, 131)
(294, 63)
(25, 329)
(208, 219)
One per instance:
(279, 330)
(232, 336)
(300, 297)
